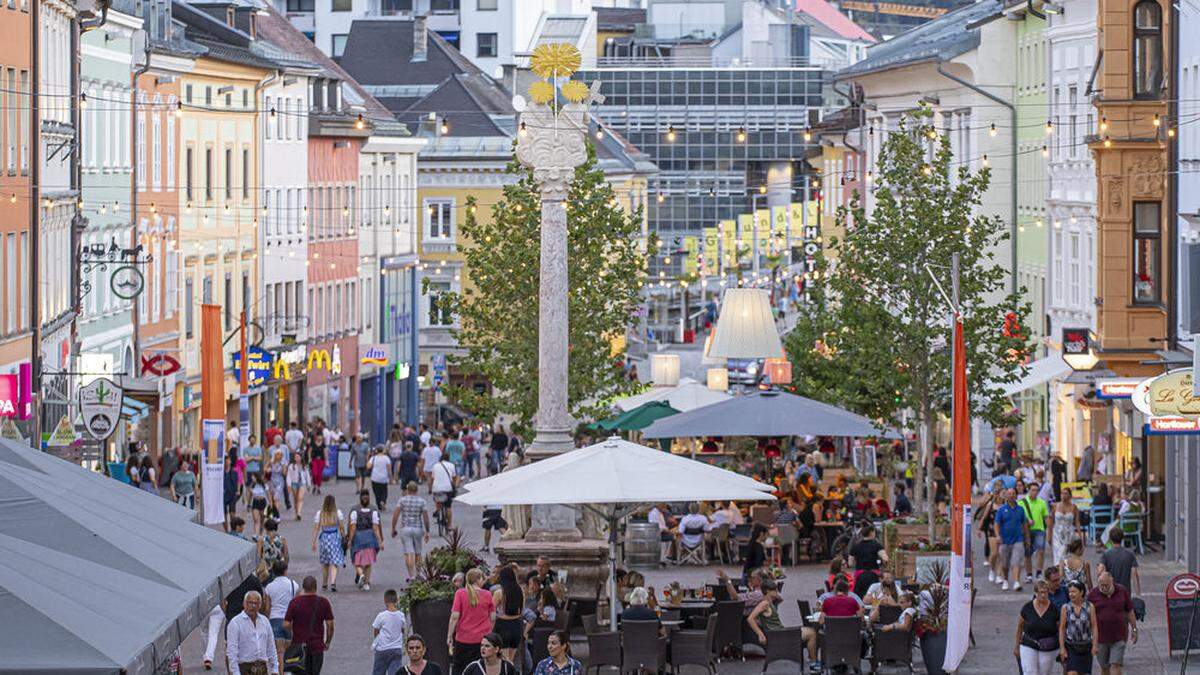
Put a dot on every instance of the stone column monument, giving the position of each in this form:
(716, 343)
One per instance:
(552, 142)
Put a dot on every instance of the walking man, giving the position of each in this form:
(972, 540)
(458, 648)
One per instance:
(1012, 530)
(412, 514)
(390, 625)
(1115, 623)
(249, 643)
(309, 618)
(1121, 563)
(1037, 513)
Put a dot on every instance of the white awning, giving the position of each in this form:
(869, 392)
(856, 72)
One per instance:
(1040, 372)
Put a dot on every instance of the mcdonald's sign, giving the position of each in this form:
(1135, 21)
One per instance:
(319, 358)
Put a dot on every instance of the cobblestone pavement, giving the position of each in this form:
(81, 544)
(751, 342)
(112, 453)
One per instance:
(994, 619)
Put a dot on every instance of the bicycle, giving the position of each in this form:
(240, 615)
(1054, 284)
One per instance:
(850, 536)
(439, 515)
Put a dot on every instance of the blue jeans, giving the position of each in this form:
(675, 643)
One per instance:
(388, 662)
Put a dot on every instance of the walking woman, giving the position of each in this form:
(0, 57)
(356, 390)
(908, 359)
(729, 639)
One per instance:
(366, 539)
(1075, 568)
(258, 500)
(296, 479)
(395, 447)
(559, 661)
(489, 662)
(471, 617)
(379, 468)
(1077, 631)
(509, 600)
(327, 542)
(272, 547)
(148, 476)
(1037, 633)
(276, 483)
(1066, 524)
(316, 460)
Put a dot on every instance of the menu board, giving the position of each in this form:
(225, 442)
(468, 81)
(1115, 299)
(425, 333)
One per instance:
(1183, 607)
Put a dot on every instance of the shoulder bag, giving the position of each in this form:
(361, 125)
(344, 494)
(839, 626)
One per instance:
(295, 657)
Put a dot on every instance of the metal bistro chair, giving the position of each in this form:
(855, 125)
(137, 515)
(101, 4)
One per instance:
(590, 624)
(1099, 518)
(642, 649)
(1131, 527)
(723, 548)
(695, 647)
(892, 647)
(842, 642)
(604, 651)
(785, 644)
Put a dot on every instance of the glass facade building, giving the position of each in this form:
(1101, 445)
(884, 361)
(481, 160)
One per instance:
(717, 134)
(391, 397)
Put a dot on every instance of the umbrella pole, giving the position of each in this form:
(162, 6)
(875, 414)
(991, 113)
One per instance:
(612, 572)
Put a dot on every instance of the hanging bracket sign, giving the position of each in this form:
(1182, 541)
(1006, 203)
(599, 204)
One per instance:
(100, 405)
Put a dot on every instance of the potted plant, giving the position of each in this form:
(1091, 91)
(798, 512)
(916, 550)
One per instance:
(427, 598)
(933, 619)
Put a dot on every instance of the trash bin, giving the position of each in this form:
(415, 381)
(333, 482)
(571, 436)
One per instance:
(642, 544)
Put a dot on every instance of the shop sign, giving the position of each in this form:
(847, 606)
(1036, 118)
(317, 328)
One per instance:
(286, 359)
(1161, 426)
(1141, 397)
(63, 435)
(287, 339)
(1117, 388)
(258, 366)
(10, 395)
(402, 371)
(100, 407)
(160, 365)
(335, 366)
(319, 359)
(1171, 395)
(373, 355)
(9, 430)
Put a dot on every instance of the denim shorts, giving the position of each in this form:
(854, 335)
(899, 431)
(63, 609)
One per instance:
(1037, 542)
(279, 631)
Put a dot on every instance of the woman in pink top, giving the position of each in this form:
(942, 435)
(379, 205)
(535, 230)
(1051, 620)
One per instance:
(471, 618)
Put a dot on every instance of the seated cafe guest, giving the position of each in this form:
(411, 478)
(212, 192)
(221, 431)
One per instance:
(638, 610)
(753, 593)
(904, 622)
(903, 506)
(881, 510)
(805, 520)
(841, 603)
(765, 615)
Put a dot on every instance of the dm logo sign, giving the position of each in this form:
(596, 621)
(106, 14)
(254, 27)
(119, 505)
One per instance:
(100, 405)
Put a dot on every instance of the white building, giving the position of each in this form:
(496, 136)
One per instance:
(57, 156)
(488, 32)
(283, 237)
(1070, 202)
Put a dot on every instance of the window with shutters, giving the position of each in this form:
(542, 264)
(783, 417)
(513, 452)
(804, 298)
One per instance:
(156, 153)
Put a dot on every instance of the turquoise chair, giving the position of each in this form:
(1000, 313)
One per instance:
(1100, 518)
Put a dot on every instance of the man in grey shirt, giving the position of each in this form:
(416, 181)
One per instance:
(1122, 564)
(359, 451)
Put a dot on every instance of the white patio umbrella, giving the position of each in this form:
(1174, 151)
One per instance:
(687, 395)
(613, 479)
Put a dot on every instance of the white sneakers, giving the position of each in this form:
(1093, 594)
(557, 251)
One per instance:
(1017, 586)
(992, 576)
(1004, 586)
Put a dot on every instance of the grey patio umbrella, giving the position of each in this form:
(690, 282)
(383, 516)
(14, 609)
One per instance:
(97, 576)
(767, 413)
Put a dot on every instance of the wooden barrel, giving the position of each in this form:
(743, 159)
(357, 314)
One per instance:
(642, 544)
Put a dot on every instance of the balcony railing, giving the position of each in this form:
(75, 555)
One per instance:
(708, 61)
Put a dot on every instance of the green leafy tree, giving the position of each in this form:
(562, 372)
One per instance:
(875, 336)
(498, 312)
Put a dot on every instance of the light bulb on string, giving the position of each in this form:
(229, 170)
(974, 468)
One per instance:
(445, 126)
(1156, 122)
(985, 160)
(807, 134)
(116, 207)
(659, 198)
(1104, 123)
(670, 133)
(82, 100)
(1045, 151)
(1049, 127)
(179, 109)
(360, 123)
(13, 198)
(599, 134)
(741, 135)
(522, 129)
(992, 129)
(1107, 142)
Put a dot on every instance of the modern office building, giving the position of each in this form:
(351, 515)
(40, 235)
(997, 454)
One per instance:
(722, 97)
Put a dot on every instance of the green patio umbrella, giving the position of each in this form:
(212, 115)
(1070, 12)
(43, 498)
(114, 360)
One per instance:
(638, 418)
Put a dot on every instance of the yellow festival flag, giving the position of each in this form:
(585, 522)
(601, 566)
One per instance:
(746, 233)
(728, 230)
(796, 224)
(691, 249)
(779, 227)
(711, 250)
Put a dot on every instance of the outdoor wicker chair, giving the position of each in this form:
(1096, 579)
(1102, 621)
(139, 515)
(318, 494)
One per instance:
(784, 644)
(643, 650)
(604, 651)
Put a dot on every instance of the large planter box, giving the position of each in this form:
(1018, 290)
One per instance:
(431, 620)
(915, 564)
(895, 534)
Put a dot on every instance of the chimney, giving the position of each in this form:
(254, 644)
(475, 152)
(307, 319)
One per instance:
(420, 39)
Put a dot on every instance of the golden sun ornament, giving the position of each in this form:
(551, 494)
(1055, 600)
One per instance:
(541, 92)
(575, 91)
(557, 59)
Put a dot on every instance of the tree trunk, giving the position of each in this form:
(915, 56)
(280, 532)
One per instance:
(923, 480)
(930, 492)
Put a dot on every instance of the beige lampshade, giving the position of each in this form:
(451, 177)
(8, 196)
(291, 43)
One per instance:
(746, 328)
(664, 369)
(718, 379)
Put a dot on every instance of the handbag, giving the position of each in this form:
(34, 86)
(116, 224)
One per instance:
(453, 487)
(295, 657)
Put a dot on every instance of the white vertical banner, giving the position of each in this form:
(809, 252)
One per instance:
(212, 483)
(958, 629)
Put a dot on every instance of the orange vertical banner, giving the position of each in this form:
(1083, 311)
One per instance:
(959, 628)
(212, 370)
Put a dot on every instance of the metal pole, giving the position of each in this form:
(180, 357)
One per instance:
(243, 388)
